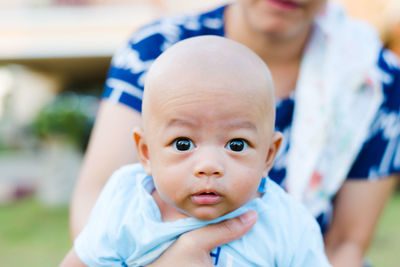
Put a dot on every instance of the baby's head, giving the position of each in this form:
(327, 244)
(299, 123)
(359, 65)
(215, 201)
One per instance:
(208, 126)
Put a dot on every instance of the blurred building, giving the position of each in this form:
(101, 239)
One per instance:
(49, 46)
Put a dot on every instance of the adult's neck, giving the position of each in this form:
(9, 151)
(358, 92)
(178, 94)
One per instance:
(272, 48)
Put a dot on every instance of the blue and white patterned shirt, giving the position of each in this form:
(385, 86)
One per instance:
(380, 154)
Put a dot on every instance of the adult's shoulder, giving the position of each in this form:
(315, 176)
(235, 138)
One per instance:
(335, 19)
(342, 29)
(389, 66)
(389, 62)
(389, 112)
(172, 28)
(136, 55)
(347, 40)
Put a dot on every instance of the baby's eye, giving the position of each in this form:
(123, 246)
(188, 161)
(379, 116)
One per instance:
(183, 144)
(236, 145)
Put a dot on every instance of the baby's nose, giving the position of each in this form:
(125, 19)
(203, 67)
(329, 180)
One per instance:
(209, 171)
(209, 164)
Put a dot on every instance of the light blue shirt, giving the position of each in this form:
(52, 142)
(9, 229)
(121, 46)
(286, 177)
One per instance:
(125, 228)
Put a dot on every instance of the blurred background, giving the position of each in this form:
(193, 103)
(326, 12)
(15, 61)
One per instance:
(54, 56)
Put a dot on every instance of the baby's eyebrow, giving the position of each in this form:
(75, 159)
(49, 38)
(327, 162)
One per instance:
(232, 124)
(240, 124)
(180, 122)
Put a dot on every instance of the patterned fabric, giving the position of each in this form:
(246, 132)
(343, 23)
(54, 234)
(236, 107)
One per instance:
(379, 154)
(334, 107)
(125, 228)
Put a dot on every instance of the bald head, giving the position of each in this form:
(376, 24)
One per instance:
(209, 64)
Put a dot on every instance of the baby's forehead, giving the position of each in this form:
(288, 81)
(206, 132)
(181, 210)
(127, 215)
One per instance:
(208, 65)
(219, 85)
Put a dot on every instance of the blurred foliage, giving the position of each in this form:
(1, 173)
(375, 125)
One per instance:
(69, 117)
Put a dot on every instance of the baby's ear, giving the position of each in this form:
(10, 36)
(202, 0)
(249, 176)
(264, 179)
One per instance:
(272, 152)
(142, 149)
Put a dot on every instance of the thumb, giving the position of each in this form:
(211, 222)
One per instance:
(211, 236)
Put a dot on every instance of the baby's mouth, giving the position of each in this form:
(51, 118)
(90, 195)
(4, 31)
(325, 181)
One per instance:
(206, 198)
(286, 4)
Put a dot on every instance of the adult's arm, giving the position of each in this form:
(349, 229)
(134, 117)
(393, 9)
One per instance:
(111, 145)
(72, 260)
(357, 208)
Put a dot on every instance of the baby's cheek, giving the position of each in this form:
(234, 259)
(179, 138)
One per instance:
(245, 191)
(164, 186)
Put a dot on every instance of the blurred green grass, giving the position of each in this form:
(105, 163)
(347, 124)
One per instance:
(385, 248)
(33, 235)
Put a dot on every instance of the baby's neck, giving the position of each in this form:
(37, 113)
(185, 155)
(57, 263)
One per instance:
(170, 213)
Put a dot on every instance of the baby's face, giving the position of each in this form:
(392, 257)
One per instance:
(208, 150)
(208, 117)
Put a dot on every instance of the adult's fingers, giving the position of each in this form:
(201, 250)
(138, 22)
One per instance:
(193, 248)
(211, 236)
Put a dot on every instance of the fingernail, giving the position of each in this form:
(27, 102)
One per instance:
(248, 217)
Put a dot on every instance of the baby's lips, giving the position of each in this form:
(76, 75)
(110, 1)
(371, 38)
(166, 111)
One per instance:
(286, 4)
(206, 198)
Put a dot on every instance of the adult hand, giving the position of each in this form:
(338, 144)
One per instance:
(193, 248)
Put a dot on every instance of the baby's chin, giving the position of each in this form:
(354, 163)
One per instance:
(208, 213)
(212, 212)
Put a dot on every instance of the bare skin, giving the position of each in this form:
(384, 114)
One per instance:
(283, 56)
(234, 102)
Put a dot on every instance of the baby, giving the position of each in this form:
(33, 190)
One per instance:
(207, 140)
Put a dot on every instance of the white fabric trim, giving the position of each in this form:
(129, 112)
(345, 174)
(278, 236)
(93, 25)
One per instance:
(338, 94)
